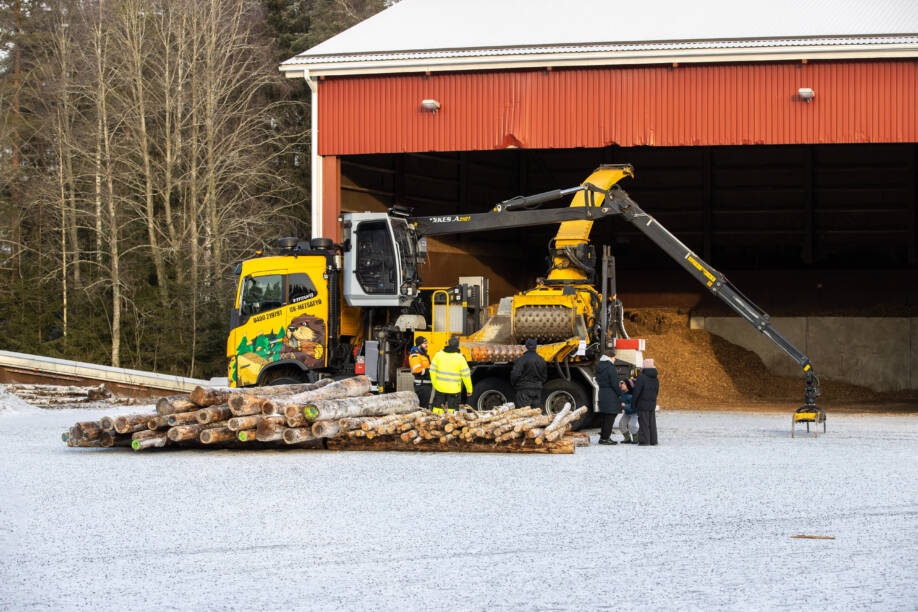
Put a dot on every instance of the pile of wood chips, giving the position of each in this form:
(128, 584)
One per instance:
(340, 415)
(698, 369)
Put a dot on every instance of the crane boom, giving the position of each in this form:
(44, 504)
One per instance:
(600, 197)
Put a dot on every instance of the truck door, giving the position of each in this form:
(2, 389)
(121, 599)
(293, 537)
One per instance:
(306, 336)
(283, 317)
(259, 337)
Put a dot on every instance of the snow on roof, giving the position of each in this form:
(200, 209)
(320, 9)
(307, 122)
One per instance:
(425, 29)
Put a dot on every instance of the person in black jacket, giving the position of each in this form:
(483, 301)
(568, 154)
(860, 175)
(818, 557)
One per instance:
(644, 400)
(527, 377)
(610, 395)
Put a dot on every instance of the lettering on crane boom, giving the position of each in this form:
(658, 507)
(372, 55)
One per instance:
(701, 269)
(448, 219)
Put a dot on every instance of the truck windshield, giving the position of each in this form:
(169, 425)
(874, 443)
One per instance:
(407, 251)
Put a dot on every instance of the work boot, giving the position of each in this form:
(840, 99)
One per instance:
(607, 441)
(626, 438)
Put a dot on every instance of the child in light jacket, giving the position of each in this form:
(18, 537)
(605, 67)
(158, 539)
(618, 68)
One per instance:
(628, 424)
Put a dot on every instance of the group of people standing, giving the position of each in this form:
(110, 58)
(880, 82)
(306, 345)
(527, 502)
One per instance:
(635, 399)
(447, 374)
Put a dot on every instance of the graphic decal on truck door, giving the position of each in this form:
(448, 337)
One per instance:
(304, 341)
(283, 318)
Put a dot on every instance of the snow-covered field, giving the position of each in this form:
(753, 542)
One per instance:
(702, 521)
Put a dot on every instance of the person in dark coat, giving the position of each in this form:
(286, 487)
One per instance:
(644, 400)
(610, 395)
(527, 377)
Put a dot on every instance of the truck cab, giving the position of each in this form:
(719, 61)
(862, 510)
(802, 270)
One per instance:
(285, 316)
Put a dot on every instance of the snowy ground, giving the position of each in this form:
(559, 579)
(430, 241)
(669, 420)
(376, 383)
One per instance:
(702, 521)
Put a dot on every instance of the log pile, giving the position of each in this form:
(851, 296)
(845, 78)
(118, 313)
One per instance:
(58, 396)
(339, 415)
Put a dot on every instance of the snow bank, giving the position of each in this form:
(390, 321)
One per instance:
(10, 403)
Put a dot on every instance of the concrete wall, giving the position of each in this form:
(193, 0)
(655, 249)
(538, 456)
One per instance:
(874, 352)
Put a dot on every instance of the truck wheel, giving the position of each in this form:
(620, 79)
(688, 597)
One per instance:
(557, 392)
(283, 376)
(491, 393)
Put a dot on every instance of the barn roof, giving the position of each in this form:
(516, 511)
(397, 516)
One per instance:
(424, 35)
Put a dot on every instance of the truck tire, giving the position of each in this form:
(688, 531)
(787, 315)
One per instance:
(282, 375)
(490, 393)
(557, 392)
(283, 380)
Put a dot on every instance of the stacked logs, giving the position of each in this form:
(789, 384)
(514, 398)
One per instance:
(56, 396)
(339, 415)
(203, 416)
(503, 429)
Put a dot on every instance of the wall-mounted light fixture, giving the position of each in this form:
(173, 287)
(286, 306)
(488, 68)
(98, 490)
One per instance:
(431, 106)
(806, 94)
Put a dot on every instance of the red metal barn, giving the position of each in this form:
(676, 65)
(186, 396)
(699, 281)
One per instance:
(777, 139)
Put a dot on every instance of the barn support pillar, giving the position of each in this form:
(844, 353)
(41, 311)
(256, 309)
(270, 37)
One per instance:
(331, 198)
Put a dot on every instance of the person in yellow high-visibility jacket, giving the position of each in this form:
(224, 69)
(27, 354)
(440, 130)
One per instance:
(448, 372)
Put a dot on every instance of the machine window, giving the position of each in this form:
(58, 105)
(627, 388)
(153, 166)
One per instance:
(261, 293)
(407, 251)
(376, 267)
(299, 288)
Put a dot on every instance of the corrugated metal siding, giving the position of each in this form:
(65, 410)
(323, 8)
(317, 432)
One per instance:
(869, 101)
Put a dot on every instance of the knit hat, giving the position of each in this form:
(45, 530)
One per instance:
(420, 340)
(453, 342)
(648, 363)
(531, 343)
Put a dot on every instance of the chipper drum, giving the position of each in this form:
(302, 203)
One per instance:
(545, 323)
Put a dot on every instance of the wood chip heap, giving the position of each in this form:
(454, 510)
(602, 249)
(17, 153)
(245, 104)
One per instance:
(338, 415)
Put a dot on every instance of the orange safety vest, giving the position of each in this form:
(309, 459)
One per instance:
(418, 361)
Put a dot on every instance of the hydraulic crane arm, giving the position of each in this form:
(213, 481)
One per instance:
(715, 281)
(595, 201)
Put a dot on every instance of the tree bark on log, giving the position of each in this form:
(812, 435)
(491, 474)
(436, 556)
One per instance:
(402, 402)
(559, 427)
(146, 433)
(183, 418)
(79, 443)
(295, 435)
(270, 428)
(244, 422)
(213, 414)
(245, 404)
(175, 403)
(107, 423)
(131, 423)
(558, 418)
(108, 440)
(324, 429)
(158, 422)
(349, 387)
(157, 441)
(217, 434)
(191, 432)
(344, 443)
(89, 430)
(184, 432)
(211, 396)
